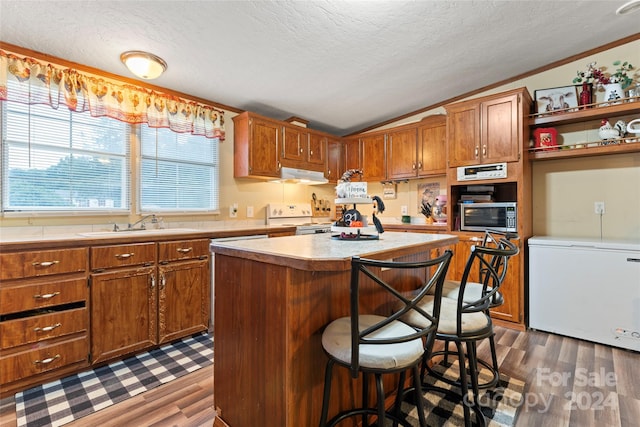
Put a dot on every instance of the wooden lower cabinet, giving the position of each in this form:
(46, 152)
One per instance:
(66, 309)
(123, 312)
(164, 297)
(511, 289)
(44, 316)
(184, 292)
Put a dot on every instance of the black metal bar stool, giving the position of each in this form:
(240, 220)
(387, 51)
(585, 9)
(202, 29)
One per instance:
(465, 323)
(371, 343)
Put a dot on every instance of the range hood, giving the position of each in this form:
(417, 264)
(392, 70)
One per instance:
(301, 176)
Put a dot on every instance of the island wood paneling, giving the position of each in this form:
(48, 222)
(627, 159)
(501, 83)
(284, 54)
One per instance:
(268, 326)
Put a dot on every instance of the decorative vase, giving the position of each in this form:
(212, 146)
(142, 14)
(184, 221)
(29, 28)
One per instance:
(585, 96)
(612, 93)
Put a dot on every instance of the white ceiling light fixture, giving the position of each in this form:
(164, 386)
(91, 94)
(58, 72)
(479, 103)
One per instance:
(628, 7)
(143, 64)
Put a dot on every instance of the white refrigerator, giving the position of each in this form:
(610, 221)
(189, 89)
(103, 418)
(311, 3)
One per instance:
(586, 288)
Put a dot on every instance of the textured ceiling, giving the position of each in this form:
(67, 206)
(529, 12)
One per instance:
(343, 66)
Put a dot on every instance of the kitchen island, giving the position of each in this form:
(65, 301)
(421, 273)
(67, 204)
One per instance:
(273, 298)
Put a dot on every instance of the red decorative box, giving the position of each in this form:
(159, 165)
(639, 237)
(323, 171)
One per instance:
(546, 139)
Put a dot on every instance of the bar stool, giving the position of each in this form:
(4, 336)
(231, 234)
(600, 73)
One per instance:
(473, 291)
(467, 322)
(371, 343)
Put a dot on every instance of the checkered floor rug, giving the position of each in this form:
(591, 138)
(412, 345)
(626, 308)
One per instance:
(60, 402)
(499, 405)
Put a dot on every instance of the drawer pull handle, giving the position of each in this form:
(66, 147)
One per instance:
(47, 328)
(45, 263)
(47, 361)
(46, 296)
(125, 256)
(184, 250)
(633, 259)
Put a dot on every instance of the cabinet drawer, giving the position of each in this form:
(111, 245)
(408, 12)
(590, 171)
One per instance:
(182, 249)
(123, 255)
(42, 263)
(38, 328)
(42, 358)
(14, 299)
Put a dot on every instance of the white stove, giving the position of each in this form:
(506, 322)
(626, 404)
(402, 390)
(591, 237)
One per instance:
(299, 215)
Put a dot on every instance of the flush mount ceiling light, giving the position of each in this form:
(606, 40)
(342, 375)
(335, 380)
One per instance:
(143, 64)
(628, 7)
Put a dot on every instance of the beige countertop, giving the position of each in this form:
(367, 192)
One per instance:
(321, 252)
(11, 240)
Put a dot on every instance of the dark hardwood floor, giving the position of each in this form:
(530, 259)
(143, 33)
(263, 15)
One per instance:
(569, 382)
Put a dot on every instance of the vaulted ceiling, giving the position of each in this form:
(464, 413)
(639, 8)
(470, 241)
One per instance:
(343, 66)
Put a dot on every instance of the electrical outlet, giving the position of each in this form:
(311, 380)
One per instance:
(598, 207)
(404, 210)
(249, 211)
(233, 211)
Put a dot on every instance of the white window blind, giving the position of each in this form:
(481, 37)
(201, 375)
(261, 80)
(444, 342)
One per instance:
(59, 160)
(178, 172)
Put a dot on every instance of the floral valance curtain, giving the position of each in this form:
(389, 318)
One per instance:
(44, 83)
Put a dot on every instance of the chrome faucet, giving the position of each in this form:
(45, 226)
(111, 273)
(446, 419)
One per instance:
(154, 220)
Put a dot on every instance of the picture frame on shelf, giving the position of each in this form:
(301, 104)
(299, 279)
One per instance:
(546, 139)
(557, 99)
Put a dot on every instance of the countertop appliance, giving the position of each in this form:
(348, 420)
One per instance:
(298, 214)
(586, 288)
(501, 216)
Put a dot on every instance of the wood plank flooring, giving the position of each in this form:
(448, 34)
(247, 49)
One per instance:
(569, 383)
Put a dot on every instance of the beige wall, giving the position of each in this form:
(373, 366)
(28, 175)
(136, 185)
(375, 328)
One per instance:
(563, 194)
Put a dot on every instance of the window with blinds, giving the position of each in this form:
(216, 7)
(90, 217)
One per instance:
(178, 172)
(59, 160)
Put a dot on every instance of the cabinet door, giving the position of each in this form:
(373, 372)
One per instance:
(463, 134)
(373, 158)
(123, 312)
(352, 158)
(401, 154)
(184, 299)
(511, 292)
(264, 155)
(334, 168)
(317, 151)
(500, 126)
(432, 146)
(294, 145)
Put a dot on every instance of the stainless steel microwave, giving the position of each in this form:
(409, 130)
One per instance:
(501, 216)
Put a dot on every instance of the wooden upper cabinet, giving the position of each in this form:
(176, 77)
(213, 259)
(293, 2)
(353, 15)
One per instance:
(303, 149)
(402, 151)
(486, 130)
(334, 168)
(295, 141)
(351, 158)
(432, 146)
(256, 146)
(463, 133)
(317, 151)
(418, 151)
(373, 158)
(501, 126)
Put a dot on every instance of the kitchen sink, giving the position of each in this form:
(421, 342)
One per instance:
(138, 232)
